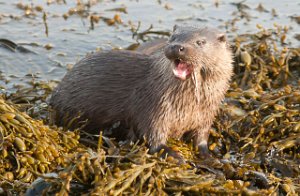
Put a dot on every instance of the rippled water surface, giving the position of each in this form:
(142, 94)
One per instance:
(70, 39)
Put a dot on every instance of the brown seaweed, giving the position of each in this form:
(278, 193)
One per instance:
(255, 138)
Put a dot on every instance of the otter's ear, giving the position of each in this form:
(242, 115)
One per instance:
(221, 37)
(175, 27)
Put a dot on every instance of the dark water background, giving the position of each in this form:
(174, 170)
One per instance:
(73, 38)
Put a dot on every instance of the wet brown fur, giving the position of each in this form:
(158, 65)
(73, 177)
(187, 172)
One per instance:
(140, 90)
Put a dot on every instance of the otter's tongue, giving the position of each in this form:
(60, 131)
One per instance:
(182, 70)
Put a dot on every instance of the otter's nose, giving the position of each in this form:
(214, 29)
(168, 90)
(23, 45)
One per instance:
(179, 48)
(175, 51)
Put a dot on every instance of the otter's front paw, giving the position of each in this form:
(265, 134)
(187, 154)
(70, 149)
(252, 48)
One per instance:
(203, 152)
(167, 151)
(207, 158)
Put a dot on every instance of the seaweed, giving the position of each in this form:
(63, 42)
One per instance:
(255, 139)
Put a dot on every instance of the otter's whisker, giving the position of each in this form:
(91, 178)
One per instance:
(195, 81)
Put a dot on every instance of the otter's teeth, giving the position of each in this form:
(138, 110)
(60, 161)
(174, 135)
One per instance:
(182, 70)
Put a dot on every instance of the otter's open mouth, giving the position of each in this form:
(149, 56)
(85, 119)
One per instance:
(182, 69)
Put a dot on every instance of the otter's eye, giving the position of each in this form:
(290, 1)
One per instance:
(201, 42)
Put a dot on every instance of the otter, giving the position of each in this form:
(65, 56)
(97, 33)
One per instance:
(167, 90)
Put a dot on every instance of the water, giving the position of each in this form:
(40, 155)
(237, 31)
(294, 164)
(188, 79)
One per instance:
(72, 39)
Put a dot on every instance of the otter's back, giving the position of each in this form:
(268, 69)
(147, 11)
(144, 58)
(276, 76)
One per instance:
(98, 87)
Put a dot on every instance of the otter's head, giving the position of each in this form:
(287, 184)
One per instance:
(193, 49)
